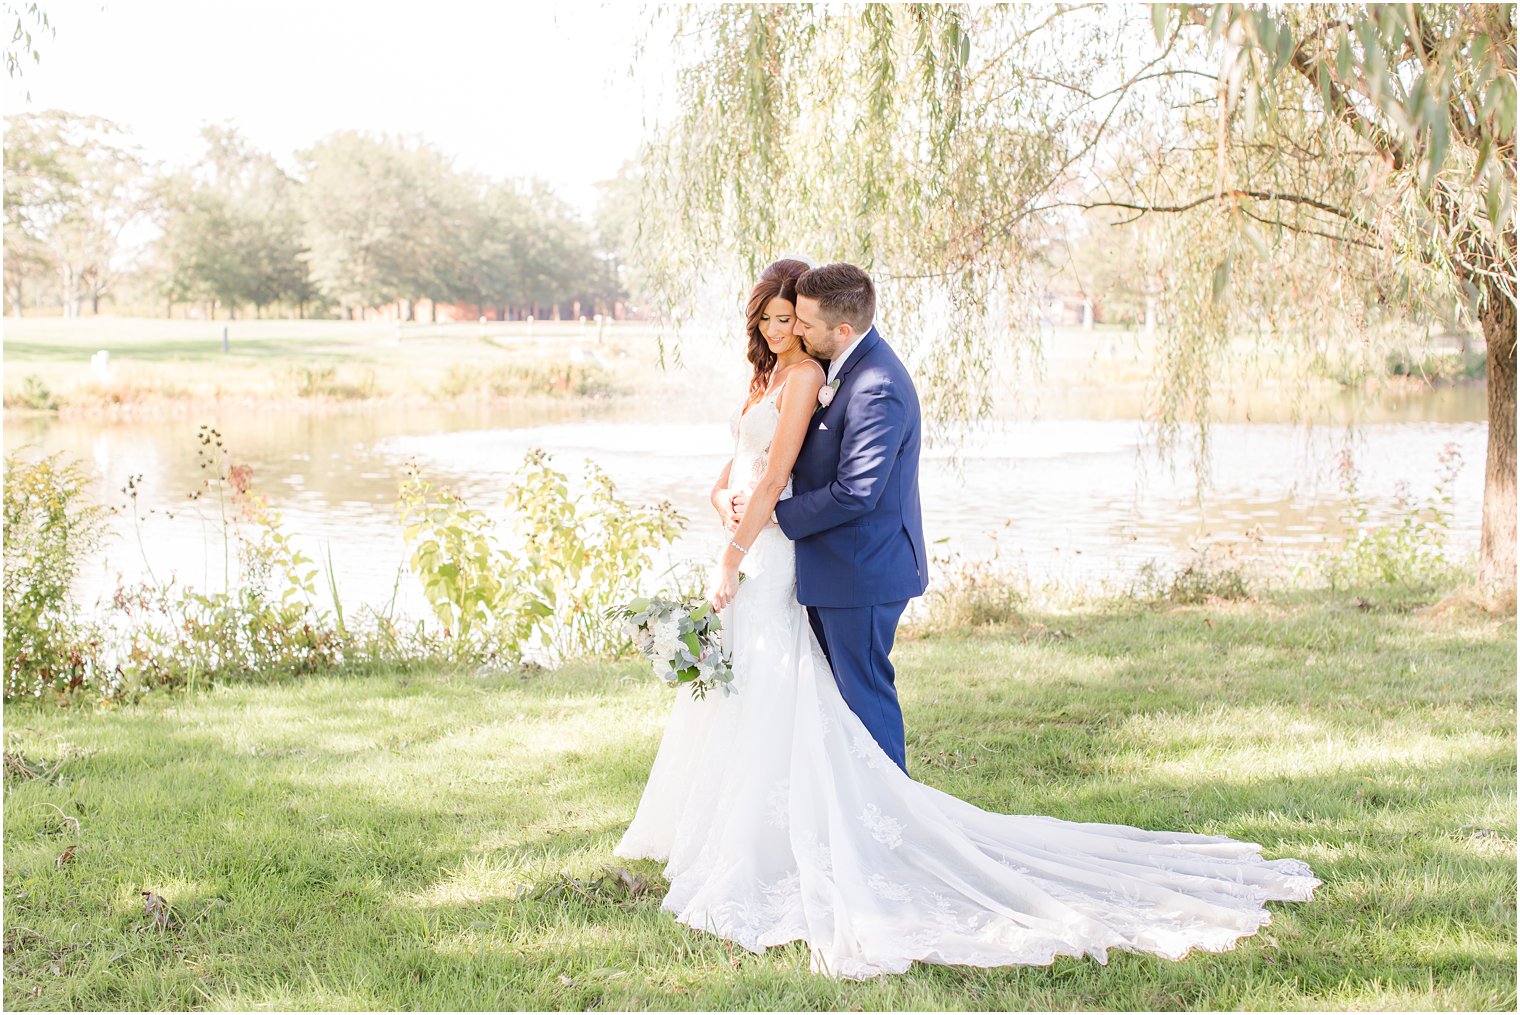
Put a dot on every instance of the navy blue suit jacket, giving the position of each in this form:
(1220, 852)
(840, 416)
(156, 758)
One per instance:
(854, 512)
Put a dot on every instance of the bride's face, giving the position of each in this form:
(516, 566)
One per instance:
(776, 326)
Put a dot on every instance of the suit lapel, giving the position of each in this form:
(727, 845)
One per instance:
(869, 341)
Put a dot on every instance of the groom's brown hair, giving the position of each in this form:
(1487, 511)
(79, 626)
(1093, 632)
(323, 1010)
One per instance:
(843, 292)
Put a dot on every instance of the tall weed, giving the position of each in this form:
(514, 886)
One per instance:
(1408, 552)
(51, 525)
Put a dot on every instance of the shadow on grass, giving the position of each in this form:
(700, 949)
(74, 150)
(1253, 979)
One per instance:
(338, 865)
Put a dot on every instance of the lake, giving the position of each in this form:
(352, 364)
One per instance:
(1073, 494)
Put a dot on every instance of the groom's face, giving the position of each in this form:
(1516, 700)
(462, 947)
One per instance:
(817, 336)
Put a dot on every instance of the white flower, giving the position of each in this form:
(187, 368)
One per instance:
(666, 632)
(826, 395)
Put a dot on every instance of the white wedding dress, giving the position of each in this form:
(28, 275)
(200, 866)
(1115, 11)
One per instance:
(780, 819)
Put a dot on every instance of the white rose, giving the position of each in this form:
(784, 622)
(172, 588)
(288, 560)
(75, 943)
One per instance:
(825, 396)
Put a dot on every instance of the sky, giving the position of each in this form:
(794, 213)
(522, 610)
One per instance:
(509, 90)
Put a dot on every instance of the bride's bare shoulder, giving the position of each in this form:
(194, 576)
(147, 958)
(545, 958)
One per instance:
(807, 369)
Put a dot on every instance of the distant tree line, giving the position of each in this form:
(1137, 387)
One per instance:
(361, 222)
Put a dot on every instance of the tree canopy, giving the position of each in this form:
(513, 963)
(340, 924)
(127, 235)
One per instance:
(361, 221)
(1304, 169)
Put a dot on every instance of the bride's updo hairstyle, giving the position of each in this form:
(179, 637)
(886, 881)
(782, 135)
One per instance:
(778, 279)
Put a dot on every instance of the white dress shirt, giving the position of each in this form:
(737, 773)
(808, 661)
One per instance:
(837, 363)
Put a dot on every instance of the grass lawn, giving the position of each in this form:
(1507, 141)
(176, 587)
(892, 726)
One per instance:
(374, 843)
(155, 361)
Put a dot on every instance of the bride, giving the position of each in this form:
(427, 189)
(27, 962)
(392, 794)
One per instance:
(781, 818)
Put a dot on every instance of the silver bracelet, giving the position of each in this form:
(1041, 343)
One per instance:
(737, 546)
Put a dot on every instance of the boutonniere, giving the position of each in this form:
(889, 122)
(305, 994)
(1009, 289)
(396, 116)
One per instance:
(826, 394)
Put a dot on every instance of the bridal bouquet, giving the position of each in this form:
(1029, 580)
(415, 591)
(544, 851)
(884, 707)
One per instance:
(681, 640)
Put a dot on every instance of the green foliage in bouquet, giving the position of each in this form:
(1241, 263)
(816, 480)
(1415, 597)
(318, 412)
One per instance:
(681, 639)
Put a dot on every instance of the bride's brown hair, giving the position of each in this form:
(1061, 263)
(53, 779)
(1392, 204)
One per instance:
(778, 279)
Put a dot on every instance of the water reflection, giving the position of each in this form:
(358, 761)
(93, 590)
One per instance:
(1071, 495)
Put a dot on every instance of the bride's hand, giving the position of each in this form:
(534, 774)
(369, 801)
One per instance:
(724, 588)
(723, 503)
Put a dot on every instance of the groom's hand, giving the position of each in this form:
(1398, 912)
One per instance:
(740, 502)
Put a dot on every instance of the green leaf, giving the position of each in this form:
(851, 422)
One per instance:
(1392, 18)
(1439, 141)
(1219, 20)
(1286, 46)
(1253, 236)
(1266, 30)
(1221, 279)
(1477, 54)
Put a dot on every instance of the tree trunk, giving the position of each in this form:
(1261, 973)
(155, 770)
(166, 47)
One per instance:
(1496, 551)
(70, 291)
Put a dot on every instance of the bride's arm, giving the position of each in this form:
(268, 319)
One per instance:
(798, 400)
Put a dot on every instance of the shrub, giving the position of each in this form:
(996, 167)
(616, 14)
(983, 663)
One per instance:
(523, 380)
(1436, 367)
(312, 381)
(33, 395)
(967, 594)
(51, 524)
(1199, 581)
(1409, 552)
(578, 557)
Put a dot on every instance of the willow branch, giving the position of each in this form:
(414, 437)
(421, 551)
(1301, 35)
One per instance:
(1306, 230)
(1259, 195)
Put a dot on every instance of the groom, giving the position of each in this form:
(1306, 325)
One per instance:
(854, 511)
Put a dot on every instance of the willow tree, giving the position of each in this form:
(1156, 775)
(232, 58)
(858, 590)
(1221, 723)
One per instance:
(1305, 170)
